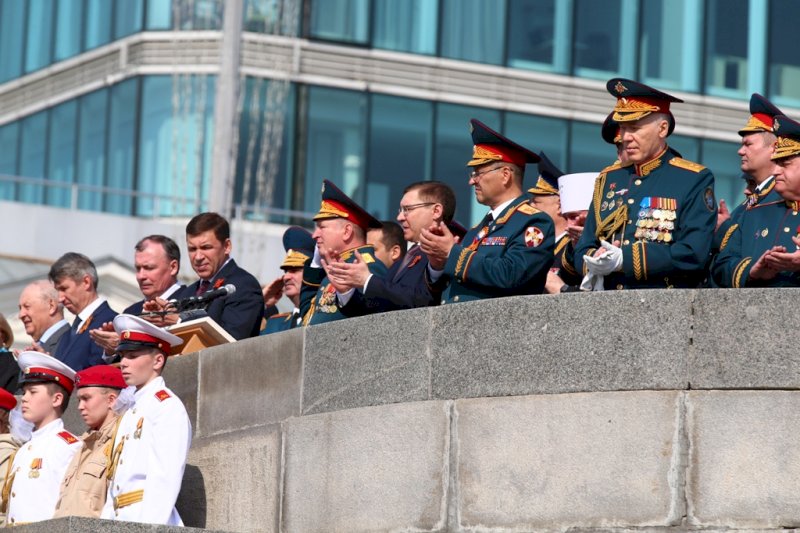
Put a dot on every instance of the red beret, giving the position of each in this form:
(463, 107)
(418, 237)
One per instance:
(100, 376)
(7, 400)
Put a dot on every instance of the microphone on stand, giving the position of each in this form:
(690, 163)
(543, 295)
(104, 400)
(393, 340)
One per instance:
(202, 301)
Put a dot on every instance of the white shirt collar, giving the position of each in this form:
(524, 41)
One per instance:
(760, 186)
(52, 329)
(170, 291)
(499, 209)
(91, 308)
(51, 428)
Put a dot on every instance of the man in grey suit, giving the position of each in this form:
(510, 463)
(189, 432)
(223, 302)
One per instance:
(42, 316)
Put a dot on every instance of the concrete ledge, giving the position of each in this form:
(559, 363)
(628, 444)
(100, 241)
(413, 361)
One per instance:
(74, 524)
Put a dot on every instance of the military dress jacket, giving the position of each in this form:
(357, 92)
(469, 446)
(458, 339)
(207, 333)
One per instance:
(664, 214)
(85, 484)
(34, 480)
(506, 256)
(759, 229)
(318, 297)
(148, 458)
(766, 195)
(563, 263)
(8, 447)
(281, 322)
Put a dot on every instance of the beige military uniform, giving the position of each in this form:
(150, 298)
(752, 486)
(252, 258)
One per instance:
(83, 491)
(8, 446)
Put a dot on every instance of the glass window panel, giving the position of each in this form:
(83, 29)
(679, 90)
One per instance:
(121, 146)
(127, 17)
(588, 151)
(453, 149)
(12, 26)
(32, 156)
(604, 44)
(159, 15)
(92, 137)
(473, 30)
(539, 134)
(784, 61)
(272, 16)
(400, 150)
(669, 45)
(720, 157)
(39, 36)
(689, 147)
(726, 53)
(9, 140)
(69, 19)
(340, 20)
(199, 14)
(61, 153)
(406, 25)
(98, 23)
(538, 34)
(173, 145)
(255, 151)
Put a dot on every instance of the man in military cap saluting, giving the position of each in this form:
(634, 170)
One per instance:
(652, 218)
(511, 250)
(340, 236)
(299, 248)
(763, 248)
(153, 438)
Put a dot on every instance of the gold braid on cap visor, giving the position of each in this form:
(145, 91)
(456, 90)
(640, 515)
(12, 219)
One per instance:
(294, 259)
(481, 156)
(756, 124)
(328, 210)
(629, 109)
(786, 147)
(543, 188)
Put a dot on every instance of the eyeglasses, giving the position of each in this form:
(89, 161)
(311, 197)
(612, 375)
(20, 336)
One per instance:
(475, 175)
(404, 209)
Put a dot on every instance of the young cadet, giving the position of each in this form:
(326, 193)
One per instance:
(83, 491)
(10, 441)
(152, 442)
(32, 484)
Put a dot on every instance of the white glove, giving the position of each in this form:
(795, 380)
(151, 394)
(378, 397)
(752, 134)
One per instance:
(607, 262)
(316, 261)
(592, 282)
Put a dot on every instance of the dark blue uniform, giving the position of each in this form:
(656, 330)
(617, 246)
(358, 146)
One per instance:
(76, 349)
(404, 286)
(318, 297)
(762, 227)
(504, 257)
(279, 322)
(564, 261)
(766, 195)
(663, 213)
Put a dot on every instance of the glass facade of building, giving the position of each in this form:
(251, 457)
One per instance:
(143, 146)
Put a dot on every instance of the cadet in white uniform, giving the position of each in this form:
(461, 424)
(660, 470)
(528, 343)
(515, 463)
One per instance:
(153, 439)
(32, 484)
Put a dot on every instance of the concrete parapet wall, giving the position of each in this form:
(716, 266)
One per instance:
(576, 412)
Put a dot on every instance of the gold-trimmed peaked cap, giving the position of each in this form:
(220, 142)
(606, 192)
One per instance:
(39, 367)
(490, 146)
(762, 115)
(299, 247)
(547, 183)
(788, 132)
(336, 204)
(136, 333)
(636, 100)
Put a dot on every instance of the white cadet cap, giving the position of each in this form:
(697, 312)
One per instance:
(575, 191)
(38, 367)
(135, 333)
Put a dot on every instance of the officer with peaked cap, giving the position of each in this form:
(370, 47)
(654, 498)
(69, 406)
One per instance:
(763, 247)
(340, 236)
(611, 134)
(152, 442)
(652, 218)
(31, 487)
(299, 248)
(756, 151)
(510, 251)
(85, 484)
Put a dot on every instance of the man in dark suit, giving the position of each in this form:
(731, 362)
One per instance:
(209, 246)
(42, 316)
(74, 276)
(423, 204)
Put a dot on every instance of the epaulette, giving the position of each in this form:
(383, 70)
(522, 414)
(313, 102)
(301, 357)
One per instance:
(162, 395)
(688, 165)
(68, 437)
(528, 209)
(367, 257)
(616, 165)
(523, 207)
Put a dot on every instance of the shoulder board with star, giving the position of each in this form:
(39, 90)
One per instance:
(162, 395)
(68, 437)
(686, 164)
(367, 257)
(528, 209)
(616, 165)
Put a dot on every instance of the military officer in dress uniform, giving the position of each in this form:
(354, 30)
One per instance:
(763, 248)
(758, 146)
(152, 442)
(31, 487)
(652, 218)
(340, 236)
(85, 485)
(511, 250)
(299, 248)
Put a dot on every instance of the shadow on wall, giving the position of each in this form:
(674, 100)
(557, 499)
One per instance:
(191, 504)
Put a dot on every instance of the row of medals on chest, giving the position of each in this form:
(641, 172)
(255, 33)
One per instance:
(655, 224)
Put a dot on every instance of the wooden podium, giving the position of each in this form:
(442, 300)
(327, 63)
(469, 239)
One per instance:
(198, 334)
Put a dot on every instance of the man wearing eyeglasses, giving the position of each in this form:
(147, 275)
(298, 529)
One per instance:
(511, 250)
(423, 204)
